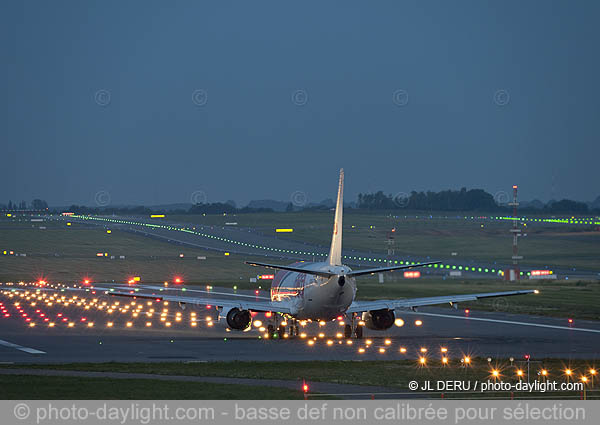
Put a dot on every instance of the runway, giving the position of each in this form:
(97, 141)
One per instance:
(88, 332)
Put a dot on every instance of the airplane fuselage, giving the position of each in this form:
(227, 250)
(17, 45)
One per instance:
(314, 297)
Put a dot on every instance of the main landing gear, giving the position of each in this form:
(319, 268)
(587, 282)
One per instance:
(278, 330)
(354, 326)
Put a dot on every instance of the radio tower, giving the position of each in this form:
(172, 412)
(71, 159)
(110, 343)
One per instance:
(514, 273)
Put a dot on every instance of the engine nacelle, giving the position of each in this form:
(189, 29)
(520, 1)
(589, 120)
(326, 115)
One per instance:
(379, 320)
(238, 319)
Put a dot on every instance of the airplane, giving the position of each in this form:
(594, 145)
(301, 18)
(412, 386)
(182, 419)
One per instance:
(318, 291)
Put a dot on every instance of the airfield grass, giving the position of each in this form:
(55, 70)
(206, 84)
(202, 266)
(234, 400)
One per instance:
(32, 387)
(393, 374)
(431, 234)
(67, 254)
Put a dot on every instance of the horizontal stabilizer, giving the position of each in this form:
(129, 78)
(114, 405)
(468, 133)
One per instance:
(387, 269)
(291, 269)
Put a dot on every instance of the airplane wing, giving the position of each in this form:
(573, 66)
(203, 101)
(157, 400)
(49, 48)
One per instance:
(227, 304)
(290, 268)
(361, 306)
(387, 269)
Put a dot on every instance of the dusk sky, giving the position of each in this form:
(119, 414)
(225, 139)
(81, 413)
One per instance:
(152, 101)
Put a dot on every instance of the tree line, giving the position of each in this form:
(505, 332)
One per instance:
(460, 200)
(36, 204)
(446, 200)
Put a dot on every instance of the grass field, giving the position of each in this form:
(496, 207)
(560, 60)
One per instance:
(63, 253)
(544, 245)
(30, 387)
(396, 374)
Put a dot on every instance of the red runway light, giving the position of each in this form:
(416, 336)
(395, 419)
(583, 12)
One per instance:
(178, 280)
(467, 311)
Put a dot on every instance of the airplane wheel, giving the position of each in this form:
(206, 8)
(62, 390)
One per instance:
(280, 332)
(347, 331)
(270, 331)
(358, 332)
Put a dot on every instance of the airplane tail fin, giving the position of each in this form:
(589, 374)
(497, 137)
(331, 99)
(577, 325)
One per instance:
(335, 252)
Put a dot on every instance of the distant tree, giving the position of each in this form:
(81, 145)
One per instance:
(567, 206)
(39, 204)
(376, 201)
(289, 207)
(213, 208)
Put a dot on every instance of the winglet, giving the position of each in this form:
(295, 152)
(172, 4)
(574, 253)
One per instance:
(335, 252)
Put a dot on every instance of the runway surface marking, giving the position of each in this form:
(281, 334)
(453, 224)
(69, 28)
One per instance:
(509, 322)
(20, 347)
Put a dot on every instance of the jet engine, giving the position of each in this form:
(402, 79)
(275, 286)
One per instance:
(379, 320)
(239, 319)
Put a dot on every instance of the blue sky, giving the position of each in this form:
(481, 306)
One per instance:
(152, 101)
